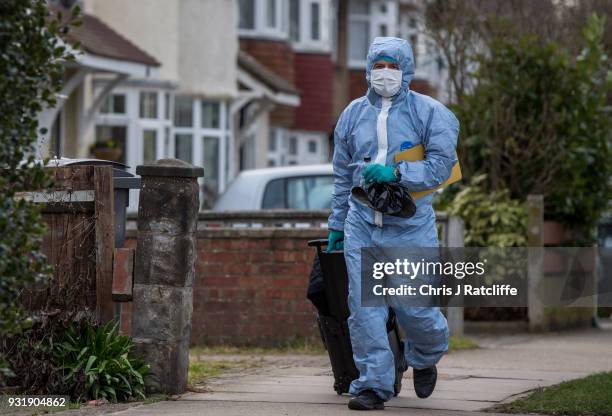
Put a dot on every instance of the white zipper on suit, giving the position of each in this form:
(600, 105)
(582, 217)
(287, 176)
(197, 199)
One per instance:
(383, 145)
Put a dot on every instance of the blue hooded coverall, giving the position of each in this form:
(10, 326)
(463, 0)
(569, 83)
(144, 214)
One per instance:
(378, 127)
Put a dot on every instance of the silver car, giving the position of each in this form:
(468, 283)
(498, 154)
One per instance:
(292, 187)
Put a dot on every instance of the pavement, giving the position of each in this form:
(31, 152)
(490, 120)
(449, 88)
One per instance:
(470, 381)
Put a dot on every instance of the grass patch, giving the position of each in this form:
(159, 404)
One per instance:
(200, 371)
(591, 395)
(154, 398)
(303, 346)
(293, 346)
(457, 343)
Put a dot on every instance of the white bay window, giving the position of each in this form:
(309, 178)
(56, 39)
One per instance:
(263, 18)
(310, 25)
(367, 20)
(202, 138)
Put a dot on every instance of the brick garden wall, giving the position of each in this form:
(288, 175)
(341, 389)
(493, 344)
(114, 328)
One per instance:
(250, 286)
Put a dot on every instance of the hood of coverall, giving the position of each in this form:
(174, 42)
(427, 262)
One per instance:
(396, 48)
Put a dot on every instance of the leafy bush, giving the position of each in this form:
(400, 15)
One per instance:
(492, 219)
(30, 75)
(535, 123)
(96, 362)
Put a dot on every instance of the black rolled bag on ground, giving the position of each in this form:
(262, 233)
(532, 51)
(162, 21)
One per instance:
(328, 292)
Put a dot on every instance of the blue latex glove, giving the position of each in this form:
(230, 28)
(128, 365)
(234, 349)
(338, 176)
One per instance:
(379, 173)
(335, 240)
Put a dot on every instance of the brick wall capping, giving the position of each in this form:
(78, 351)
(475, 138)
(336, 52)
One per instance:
(170, 167)
(268, 213)
(264, 232)
(272, 214)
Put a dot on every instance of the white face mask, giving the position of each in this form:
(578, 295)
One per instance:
(386, 81)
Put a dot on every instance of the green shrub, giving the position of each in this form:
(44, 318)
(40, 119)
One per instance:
(31, 70)
(492, 218)
(96, 362)
(535, 124)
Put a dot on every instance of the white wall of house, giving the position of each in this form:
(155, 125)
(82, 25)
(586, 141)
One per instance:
(153, 25)
(208, 45)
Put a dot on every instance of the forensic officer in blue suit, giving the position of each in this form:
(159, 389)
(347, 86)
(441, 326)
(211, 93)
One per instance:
(388, 119)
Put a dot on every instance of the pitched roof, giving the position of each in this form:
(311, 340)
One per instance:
(97, 38)
(263, 74)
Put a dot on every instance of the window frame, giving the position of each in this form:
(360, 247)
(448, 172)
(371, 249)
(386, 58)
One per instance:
(111, 100)
(198, 133)
(305, 41)
(375, 18)
(156, 100)
(278, 31)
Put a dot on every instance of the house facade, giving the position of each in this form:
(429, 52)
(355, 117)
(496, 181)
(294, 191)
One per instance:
(320, 46)
(294, 40)
(225, 84)
(205, 103)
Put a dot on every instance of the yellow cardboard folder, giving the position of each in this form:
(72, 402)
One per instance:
(417, 153)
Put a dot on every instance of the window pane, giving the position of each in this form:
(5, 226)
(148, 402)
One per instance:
(311, 192)
(271, 13)
(183, 147)
(294, 20)
(113, 104)
(414, 40)
(183, 112)
(116, 134)
(274, 195)
(247, 14)
(312, 146)
(210, 114)
(359, 39)
(118, 104)
(293, 145)
(296, 193)
(148, 104)
(359, 6)
(228, 158)
(382, 30)
(166, 148)
(272, 140)
(319, 191)
(106, 105)
(149, 146)
(211, 167)
(167, 106)
(314, 21)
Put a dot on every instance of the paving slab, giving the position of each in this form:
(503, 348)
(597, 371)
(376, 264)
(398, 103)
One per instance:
(469, 381)
(237, 408)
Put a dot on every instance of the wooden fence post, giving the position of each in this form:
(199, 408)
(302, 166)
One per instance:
(454, 315)
(105, 241)
(535, 240)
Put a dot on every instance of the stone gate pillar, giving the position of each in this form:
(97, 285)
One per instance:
(164, 270)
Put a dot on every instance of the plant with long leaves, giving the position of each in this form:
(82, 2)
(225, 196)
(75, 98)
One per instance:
(98, 363)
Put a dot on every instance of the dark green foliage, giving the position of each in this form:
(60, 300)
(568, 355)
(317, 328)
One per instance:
(96, 363)
(535, 123)
(492, 219)
(31, 55)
